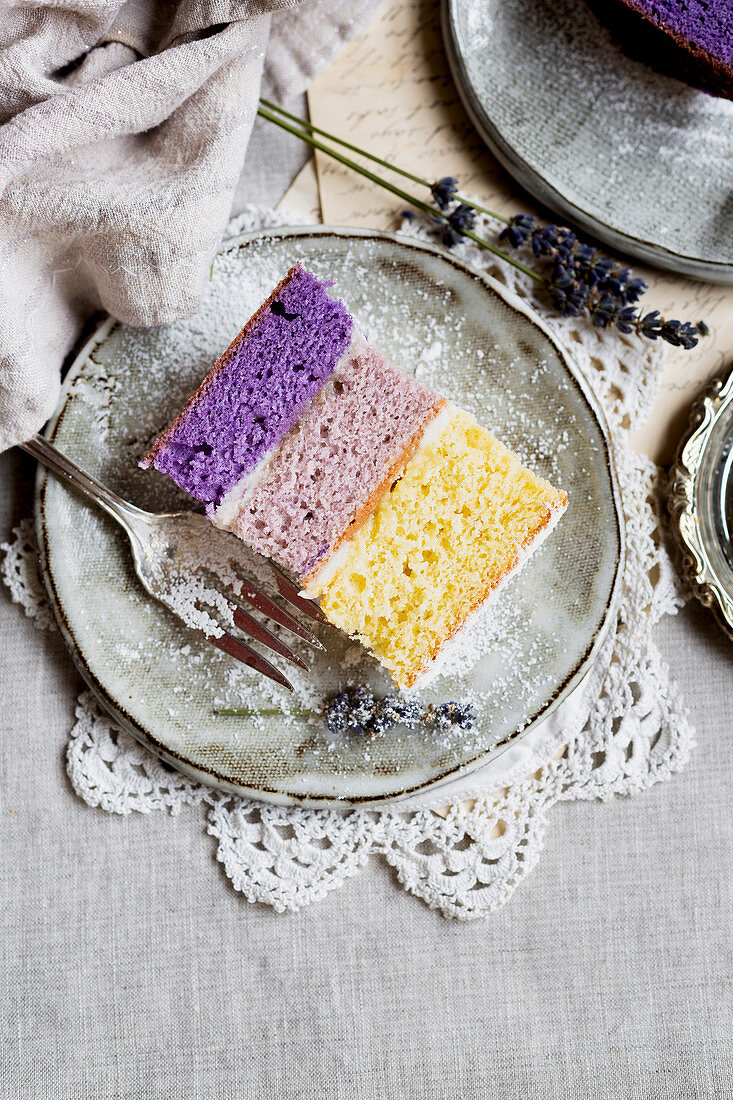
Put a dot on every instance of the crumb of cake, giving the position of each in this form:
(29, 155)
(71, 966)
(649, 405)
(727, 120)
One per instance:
(395, 509)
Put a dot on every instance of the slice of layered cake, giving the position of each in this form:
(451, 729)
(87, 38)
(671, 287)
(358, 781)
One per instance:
(691, 40)
(396, 510)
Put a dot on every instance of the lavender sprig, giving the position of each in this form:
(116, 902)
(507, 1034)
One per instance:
(359, 711)
(305, 130)
(446, 187)
(578, 278)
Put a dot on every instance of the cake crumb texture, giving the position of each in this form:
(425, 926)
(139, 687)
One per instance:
(331, 469)
(442, 538)
(256, 390)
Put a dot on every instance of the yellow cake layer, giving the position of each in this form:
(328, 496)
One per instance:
(451, 528)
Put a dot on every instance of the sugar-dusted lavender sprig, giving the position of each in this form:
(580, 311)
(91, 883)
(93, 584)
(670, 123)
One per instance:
(578, 278)
(359, 711)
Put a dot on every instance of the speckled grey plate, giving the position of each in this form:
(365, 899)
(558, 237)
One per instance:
(466, 337)
(637, 159)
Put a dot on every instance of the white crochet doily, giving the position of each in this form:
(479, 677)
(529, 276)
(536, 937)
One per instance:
(624, 729)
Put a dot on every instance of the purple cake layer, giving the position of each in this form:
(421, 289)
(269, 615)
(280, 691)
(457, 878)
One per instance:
(255, 392)
(703, 24)
(691, 40)
(331, 470)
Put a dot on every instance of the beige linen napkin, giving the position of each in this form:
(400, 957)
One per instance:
(123, 131)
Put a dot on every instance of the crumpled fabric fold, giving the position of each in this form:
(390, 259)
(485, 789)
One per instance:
(123, 132)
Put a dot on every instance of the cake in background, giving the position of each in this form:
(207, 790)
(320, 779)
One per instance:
(691, 40)
(396, 510)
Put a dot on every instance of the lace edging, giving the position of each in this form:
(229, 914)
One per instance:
(467, 859)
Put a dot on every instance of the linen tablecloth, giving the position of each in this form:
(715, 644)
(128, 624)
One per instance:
(130, 968)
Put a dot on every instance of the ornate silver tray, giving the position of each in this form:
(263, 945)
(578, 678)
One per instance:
(701, 499)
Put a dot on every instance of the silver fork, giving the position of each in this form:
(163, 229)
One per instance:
(184, 561)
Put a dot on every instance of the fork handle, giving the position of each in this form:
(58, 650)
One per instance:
(54, 460)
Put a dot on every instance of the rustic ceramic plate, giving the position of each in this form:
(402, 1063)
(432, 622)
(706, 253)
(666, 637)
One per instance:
(637, 159)
(462, 334)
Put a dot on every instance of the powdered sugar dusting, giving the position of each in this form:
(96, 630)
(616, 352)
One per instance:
(429, 320)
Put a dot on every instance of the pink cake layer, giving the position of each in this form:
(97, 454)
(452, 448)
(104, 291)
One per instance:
(329, 472)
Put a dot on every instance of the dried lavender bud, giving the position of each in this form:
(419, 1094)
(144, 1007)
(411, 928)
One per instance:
(350, 710)
(605, 310)
(444, 716)
(444, 191)
(393, 711)
(601, 267)
(635, 288)
(439, 717)
(337, 712)
(449, 237)
(650, 325)
(463, 716)
(401, 712)
(462, 218)
(568, 295)
(585, 257)
(361, 709)
(378, 726)
(553, 241)
(518, 231)
(626, 319)
(460, 222)
(679, 334)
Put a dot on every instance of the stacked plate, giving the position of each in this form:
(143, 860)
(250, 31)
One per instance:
(636, 159)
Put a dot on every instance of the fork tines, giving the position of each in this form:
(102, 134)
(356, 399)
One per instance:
(248, 656)
(259, 632)
(290, 592)
(257, 599)
(248, 593)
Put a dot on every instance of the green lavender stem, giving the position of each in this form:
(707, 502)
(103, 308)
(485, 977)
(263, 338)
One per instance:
(267, 712)
(375, 159)
(403, 195)
(340, 141)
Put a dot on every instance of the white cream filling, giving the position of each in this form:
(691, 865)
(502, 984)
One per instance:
(230, 505)
(331, 566)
